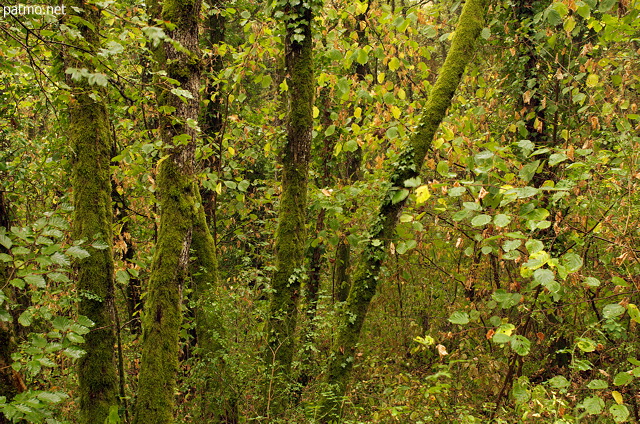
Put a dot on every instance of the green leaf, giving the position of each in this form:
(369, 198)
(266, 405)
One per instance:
(459, 317)
(77, 252)
(443, 168)
(597, 384)
(36, 280)
(622, 379)
(633, 311)
(612, 310)
(558, 382)
(572, 262)
(501, 220)
(534, 246)
(456, 191)
(620, 413)
(592, 282)
(84, 321)
(586, 345)
(528, 171)
(74, 352)
(593, 405)
(520, 345)
(543, 276)
(510, 245)
(399, 195)
(481, 220)
(5, 241)
(406, 245)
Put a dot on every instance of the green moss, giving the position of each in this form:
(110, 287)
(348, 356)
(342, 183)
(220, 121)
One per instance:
(291, 231)
(89, 136)
(176, 198)
(365, 280)
(163, 317)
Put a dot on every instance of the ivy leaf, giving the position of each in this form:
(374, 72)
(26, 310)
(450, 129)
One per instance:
(459, 317)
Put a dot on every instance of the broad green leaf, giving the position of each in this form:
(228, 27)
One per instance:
(620, 413)
(481, 220)
(459, 317)
(36, 280)
(520, 345)
(558, 382)
(572, 262)
(593, 405)
(399, 195)
(534, 246)
(622, 379)
(633, 311)
(5, 241)
(510, 245)
(501, 220)
(586, 345)
(597, 384)
(612, 310)
(592, 282)
(77, 252)
(543, 276)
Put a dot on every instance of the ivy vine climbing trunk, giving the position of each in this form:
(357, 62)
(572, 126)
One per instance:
(90, 140)
(365, 278)
(291, 234)
(178, 208)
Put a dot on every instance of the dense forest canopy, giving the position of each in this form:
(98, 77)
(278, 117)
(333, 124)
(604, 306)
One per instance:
(377, 211)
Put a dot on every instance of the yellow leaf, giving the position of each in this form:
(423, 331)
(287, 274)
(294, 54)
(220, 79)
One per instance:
(422, 194)
(592, 80)
(381, 76)
(316, 112)
(617, 397)
(395, 111)
(358, 112)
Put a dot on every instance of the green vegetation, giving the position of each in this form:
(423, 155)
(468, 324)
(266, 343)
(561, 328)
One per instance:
(369, 211)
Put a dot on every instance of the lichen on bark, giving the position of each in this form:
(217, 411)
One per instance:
(365, 279)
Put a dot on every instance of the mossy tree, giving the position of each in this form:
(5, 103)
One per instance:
(365, 278)
(177, 201)
(90, 140)
(291, 232)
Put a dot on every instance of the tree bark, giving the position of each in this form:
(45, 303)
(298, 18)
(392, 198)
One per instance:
(291, 234)
(90, 139)
(365, 279)
(177, 201)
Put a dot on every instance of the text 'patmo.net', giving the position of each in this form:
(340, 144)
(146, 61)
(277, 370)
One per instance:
(32, 9)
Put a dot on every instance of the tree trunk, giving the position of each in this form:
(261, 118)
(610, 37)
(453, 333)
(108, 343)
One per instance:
(177, 201)
(365, 279)
(291, 234)
(90, 139)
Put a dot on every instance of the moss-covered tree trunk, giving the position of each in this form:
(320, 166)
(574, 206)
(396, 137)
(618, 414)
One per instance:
(365, 279)
(176, 198)
(291, 234)
(90, 141)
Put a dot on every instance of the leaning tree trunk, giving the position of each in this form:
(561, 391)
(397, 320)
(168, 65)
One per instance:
(365, 279)
(176, 198)
(90, 141)
(291, 234)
